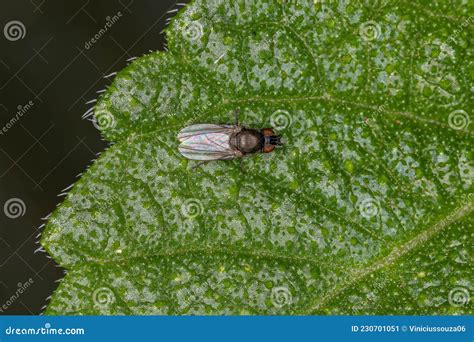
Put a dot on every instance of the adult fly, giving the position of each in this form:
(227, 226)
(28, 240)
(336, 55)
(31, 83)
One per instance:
(206, 142)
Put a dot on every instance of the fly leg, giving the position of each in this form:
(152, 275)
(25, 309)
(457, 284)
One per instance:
(241, 165)
(236, 116)
(199, 164)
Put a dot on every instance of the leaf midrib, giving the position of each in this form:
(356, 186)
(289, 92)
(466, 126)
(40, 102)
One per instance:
(294, 99)
(376, 110)
(173, 252)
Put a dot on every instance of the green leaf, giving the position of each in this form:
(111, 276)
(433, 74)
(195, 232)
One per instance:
(367, 209)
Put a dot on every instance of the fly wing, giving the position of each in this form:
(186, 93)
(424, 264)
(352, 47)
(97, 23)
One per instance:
(206, 142)
(193, 130)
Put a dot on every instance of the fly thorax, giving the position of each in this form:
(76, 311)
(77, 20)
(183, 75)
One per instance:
(248, 141)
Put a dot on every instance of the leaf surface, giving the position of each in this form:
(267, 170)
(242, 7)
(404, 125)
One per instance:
(367, 209)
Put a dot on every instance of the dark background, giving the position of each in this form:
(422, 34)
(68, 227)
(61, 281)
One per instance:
(44, 151)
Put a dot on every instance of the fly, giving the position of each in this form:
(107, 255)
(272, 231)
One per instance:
(206, 142)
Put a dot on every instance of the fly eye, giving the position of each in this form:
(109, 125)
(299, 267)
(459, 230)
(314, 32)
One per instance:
(268, 148)
(267, 132)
